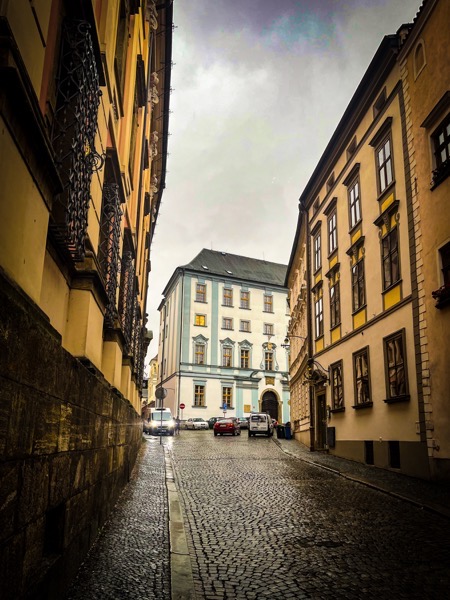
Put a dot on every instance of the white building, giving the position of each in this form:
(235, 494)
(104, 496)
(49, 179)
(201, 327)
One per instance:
(223, 320)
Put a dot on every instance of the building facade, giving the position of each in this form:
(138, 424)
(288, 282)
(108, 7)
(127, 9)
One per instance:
(425, 71)
(84, 104)
(366, 403)
(223, 320)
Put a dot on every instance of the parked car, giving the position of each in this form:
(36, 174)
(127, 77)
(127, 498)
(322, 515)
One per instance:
(212, 420)
(196, 423)
(260, 423)
(230, 426)
(243, 422)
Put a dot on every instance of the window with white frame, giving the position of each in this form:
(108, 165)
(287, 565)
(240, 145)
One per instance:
(318, 313)
(245, 299)
(245, 326)
(200, 320)
(384, 164)
(227, 356)
(245, 358)
(227, 296)
(268, 329)
(199, 354)
(268, 360)
(227, 323)
(354, 201)
(200, 292)
(199, 395)
(268, 303)
(227, 397)
(332, 232)
(317, 252)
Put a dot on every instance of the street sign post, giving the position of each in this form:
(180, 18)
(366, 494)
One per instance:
(224, 408)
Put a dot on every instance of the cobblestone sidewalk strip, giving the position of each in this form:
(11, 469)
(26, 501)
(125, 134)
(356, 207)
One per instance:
(427, 495)
(130, 558)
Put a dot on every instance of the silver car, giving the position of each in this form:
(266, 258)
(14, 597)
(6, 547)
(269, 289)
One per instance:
(196, 423)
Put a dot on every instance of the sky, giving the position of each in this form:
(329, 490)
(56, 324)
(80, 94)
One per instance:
(259, 87)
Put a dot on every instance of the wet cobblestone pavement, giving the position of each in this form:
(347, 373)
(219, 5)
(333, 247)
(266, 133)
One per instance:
(265, 518)
(130, 558)
(263, 524)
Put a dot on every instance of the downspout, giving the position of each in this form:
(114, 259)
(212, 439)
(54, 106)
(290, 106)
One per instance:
(180, 344)
(309, 325)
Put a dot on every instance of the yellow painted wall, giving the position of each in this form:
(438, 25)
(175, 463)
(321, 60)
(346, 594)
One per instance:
(84, 331)
(112, 363)
(23, 220)
(55, 293)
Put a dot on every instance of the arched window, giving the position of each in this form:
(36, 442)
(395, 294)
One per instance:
(419, 58)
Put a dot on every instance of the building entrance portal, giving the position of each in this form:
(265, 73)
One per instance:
(269, 404)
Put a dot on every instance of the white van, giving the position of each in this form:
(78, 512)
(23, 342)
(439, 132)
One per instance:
(260, 423)
(161, 421)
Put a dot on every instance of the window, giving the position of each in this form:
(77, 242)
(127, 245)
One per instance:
(337, 388)
(317, 252)
(227, 397)
(268, 329)
(384, 165)
(391, 272)
(245, 326)
(362, 377)
(441, 147)
(332, 232)
(318, 308)
(199, 395)
(268, 361)
(245, 358)
(354, 204)
(395, 364)
(358, 292)
(245, 299)
(335, 305)
(200, 294)
(199, 356)
(444, 253)
(200, 320)
(227, 353)
(419, 59)
(268, 303)
(227, 297)
(227, 323)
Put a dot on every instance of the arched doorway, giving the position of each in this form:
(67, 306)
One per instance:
(269, 404)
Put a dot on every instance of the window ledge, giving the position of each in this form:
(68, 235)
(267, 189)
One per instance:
(268, 311)
(227, 329)
(228, 305)
(201, 301)
(195, 406)
(396, 399)
(337, 410)
(364, 405)
(244, 308)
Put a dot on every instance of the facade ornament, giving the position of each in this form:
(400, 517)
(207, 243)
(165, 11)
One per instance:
(152, 15)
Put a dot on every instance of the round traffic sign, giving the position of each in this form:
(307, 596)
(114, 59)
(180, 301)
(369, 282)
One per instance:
(182, 406)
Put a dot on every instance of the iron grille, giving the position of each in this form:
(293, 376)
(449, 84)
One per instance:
(73, 136)
(109, 247)
(127, 297)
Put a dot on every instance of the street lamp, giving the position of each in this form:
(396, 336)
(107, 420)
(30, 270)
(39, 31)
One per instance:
(287, 338)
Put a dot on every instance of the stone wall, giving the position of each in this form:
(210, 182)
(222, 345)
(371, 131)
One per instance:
(68, 443)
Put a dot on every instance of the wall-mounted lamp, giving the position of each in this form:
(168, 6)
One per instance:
(288, 337)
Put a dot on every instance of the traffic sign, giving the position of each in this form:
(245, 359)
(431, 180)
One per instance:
(224, 407)
(161, 393)
(182, 406)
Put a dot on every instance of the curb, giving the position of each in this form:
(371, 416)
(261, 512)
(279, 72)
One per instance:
(181, 577)
(434, 508)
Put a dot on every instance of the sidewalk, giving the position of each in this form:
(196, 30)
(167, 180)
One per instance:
(424, 494)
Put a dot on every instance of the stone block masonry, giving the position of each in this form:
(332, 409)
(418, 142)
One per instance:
(68, 443)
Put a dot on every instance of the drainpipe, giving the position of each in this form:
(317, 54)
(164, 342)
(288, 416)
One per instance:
(309, 325)
(180, 344)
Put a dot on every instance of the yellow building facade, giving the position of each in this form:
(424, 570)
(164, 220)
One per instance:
(368, 367)
(425, 71)
(84, 112)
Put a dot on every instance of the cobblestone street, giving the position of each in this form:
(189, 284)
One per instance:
(261, 522)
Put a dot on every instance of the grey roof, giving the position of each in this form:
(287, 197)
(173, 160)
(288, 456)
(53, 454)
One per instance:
(233, 266)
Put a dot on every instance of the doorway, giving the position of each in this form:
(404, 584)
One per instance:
(269, 404)
(321, 422)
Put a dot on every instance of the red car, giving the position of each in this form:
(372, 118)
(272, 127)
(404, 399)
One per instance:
(230, 426)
